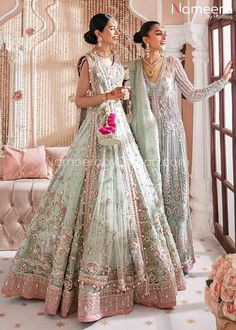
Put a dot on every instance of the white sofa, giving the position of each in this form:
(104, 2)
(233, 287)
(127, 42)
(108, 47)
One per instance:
(19, 201)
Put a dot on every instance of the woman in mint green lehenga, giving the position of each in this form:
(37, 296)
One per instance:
(100, 241)
(157, 121)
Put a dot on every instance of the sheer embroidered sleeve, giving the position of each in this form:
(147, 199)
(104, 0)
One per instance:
(189, 91)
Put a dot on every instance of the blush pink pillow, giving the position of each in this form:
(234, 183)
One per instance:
(54, 158)
(24, 163)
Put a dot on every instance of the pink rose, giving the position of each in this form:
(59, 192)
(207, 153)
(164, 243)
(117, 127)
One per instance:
(110, 127)
(229, 311)
(213, 305)
(227, 293)
(222, 270)
(111, 122)
(112, 116)
(230, 278)
(111, 119)
(218, 262)
(106, 129)
(215, 288)
(212, 275)
(226, 265)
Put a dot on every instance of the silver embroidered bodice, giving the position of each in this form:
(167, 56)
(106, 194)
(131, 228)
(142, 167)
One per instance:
(163, 94)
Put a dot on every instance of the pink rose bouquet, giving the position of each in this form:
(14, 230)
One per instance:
(110, 125)
(220, 291)
(108, 131)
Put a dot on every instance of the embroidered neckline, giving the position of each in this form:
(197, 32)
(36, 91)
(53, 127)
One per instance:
(101, 59)
(163, 65)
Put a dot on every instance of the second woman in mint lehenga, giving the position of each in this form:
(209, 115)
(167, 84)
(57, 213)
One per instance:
(100, 241)
(157, 122)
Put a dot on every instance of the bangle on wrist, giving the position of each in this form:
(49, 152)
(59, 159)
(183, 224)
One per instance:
(104, 97)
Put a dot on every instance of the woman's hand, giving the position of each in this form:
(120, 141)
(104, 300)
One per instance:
(119, 93)
(228, 71)
(126, 92)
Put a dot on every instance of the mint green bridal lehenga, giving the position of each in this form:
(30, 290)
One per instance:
(100, 241)
(157, 122)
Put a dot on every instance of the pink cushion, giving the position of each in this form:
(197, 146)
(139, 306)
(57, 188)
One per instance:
(24, 163)
(54, 157)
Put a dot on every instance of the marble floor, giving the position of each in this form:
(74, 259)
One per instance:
(190, 313)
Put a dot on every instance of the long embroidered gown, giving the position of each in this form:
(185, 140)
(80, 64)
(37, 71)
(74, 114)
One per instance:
(100, 241)
(162, 98)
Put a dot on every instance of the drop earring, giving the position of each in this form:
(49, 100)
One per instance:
(99, 42)
(147, 50)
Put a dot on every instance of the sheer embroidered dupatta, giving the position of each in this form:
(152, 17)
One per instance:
(143, 125)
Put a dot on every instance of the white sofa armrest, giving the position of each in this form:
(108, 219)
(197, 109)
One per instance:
(19, 201)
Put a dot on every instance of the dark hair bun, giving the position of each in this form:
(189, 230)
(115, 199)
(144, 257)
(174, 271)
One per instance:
(90, 37)
(138, 38)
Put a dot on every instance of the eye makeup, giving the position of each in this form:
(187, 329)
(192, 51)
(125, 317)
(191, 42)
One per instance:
(160, 32)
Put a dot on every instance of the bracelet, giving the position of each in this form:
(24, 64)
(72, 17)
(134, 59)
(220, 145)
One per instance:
(104, 97)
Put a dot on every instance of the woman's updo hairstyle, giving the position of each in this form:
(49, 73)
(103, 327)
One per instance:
(143, 32)
(97, 22)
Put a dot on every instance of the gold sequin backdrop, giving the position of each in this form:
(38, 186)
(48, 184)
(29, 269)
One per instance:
(39, 51)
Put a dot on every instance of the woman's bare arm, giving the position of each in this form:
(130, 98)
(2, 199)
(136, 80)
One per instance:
(82, 100)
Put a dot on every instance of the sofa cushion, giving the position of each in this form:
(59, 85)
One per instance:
(24, 163)
(54, 158)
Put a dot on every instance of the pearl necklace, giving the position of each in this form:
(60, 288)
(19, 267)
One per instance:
(151, 71)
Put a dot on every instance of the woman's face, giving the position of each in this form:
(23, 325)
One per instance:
(110, 34)
(156, 37)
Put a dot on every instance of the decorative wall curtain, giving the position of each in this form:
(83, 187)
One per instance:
(4, 93)
(45, 42)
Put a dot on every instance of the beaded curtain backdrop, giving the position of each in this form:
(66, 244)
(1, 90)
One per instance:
(4, 93)
(44, 43)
